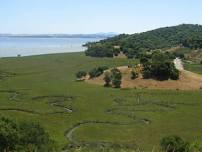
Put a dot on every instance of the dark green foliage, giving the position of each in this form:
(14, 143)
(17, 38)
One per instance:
(196, 146)
(144, 60)
(160, 67)
(187, 35)
(96, 72)
(134, 74)
(116, 78)
(174, 144)
(174, 74)
(34, 135)
(194, 42)
(81, 74)
(9, 135)
(23, 137)
(107, 79)
(178, 54)
(99, 50)
(200, 62)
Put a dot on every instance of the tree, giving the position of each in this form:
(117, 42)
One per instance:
(81, 74)
(96, 72)
(107, 79)
(24, 136)
(174, 144)
(9, 135)
(160, 67)
(116, 78)
(34, 136)
(175, 74)
(134, 74)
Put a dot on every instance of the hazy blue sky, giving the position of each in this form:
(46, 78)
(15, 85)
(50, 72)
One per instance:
(91, 16)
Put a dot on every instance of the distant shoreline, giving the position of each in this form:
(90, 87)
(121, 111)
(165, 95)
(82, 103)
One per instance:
(103, 36)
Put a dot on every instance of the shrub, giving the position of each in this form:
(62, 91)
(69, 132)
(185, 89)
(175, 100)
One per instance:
(196, 146)
(174, 144)
(103, 68)
(81, 74)
(23, 137)
(116, 78)
(96, 72)
(174, 75)
(200, 62)
(134, 74)
(107, 79)
(9, 135)
(146, 73)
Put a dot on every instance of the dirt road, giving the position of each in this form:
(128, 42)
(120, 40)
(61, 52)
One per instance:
(178, 64)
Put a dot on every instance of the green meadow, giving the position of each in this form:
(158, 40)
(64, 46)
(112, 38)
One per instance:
(43, 89)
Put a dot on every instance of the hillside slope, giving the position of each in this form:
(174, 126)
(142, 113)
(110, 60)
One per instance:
(186, 35)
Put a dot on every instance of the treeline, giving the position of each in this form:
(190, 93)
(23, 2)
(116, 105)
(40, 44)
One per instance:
(134, 45)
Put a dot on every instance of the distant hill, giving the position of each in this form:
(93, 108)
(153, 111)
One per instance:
(185, 35)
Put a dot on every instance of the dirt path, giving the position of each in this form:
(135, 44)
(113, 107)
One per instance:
(178, 64)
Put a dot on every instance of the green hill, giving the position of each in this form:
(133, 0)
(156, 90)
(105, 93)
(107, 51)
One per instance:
(185, 35)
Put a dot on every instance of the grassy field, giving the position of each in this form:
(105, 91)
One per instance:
(43, 89)
(194, 67)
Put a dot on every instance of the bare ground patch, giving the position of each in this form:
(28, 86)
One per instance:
(188, 81)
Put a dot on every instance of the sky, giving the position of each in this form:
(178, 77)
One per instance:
(94, 16)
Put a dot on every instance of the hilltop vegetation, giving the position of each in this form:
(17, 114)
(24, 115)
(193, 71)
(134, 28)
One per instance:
(185, 35)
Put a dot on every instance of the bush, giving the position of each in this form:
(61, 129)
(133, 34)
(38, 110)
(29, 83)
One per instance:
(174, 144)
(196, 147)
(200, 62)
(146, 73)
(23, 137)
(107, 79)
(174, 75)
(116, 78)
(96, 72)
(9, 135)
(134, 74)
(81, 74)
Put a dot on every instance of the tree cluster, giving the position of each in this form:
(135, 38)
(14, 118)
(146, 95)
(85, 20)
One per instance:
(159, 67)
(113, 77)
(24, 136)
(135, 45)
